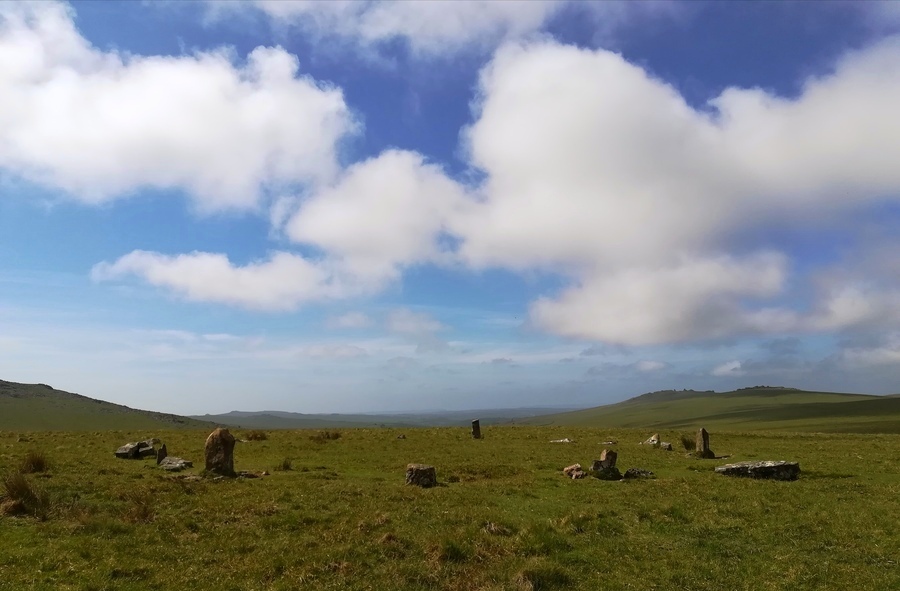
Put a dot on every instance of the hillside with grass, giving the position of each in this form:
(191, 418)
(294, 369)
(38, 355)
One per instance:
(747, 409)
(39, 407)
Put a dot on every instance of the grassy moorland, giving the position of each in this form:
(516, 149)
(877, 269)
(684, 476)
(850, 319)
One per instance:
(748, 409)
(38, 407)
(503, 517)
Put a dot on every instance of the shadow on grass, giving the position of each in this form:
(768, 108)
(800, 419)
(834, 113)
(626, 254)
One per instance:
(816, 475)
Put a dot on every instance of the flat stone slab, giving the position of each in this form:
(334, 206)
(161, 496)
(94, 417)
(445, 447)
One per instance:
(768, 469)
(173, 464)
(638, 473)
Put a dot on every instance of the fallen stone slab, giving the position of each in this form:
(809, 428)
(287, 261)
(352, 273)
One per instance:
(250, 474)
(566, 440)
(665, 445)
(772, 470)
(173, 464)
(421, 475)
(638, 473)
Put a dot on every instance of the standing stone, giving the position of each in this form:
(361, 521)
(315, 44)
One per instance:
(421, 475)
(161, 454)
(220, 452)
(607, 460)
(476, 429)
(702, 445)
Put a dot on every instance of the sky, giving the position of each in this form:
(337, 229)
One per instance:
(412, 206)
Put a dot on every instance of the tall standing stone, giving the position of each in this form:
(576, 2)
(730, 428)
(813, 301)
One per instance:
(476, 429)
(702, 445)
(219, 453)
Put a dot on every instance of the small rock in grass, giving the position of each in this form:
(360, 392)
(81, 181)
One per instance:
(574, 471)
(638, 473)
(173, 464)
(421, 475)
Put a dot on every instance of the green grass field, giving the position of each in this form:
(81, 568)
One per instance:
(750, 409)
(503, 516)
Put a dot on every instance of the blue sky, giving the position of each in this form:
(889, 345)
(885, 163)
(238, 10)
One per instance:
(340, 207)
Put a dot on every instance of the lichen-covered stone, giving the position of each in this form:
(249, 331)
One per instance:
(607, 460)
(173, 464)
(219, 453)
(421, 475)
(768, 469)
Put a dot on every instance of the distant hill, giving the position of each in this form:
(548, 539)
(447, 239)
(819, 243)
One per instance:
(273, 419)
(39, 407)
(748, 409)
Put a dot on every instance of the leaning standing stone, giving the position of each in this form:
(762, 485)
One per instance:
(421, 475)
(161, 454)
(220, 453)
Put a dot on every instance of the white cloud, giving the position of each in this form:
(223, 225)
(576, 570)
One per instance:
(596, 169)
(350, 320)
(729, 368)
(383, 214)
(430, 28)
(281, 283)
(102, 124)
(648, 365)
(440, 29)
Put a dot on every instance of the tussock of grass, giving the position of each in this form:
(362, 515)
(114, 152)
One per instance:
(285, 465)
(541, 578)
(22, 497)
(139, 507)
(34, 461)
(323, 436)
(688, 442)
(256, 435)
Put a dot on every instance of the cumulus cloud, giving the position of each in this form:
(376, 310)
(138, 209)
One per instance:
(382, 215)
(280, 283)
(729, 368)
(596, 168)
(101, 124)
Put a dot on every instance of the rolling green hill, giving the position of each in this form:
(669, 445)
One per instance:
(39, 407)
(748, 409)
